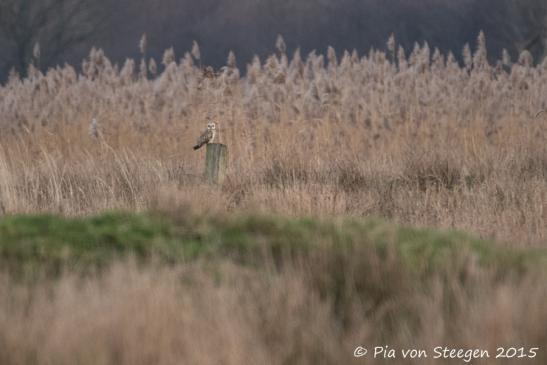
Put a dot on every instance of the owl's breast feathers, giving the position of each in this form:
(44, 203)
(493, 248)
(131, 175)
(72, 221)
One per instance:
(205, 138)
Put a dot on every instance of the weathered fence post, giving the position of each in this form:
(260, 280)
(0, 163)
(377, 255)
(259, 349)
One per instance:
(216, 161)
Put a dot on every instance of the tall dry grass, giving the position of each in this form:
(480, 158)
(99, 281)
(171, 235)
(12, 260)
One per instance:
(313, 311)
(412, 136)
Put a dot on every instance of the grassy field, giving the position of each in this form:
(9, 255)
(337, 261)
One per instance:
(409, 136)
(395, 199)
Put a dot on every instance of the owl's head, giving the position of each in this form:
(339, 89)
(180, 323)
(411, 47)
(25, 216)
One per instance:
(211, 126)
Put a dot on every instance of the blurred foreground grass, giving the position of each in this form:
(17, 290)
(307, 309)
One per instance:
(122, 288)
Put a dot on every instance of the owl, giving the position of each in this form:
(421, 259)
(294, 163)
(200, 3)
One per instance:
(206, 137)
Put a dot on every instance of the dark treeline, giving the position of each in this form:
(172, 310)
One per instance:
(65, 30)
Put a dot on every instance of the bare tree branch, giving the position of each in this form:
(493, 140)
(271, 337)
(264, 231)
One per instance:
(57, 25)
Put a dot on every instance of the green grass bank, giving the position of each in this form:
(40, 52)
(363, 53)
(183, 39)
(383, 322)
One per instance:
(37, 243)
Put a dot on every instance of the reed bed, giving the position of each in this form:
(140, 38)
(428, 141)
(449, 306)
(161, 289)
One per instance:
(411, 135)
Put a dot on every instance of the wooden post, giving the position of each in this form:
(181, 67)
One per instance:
(216, 161)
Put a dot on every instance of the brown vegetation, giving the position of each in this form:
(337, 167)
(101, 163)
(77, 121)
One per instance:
(314, 311)
(414, 138)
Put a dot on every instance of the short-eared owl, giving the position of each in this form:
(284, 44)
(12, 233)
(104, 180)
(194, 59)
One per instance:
(206, 137)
